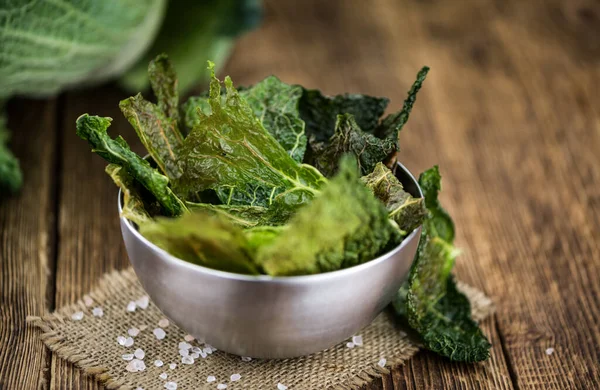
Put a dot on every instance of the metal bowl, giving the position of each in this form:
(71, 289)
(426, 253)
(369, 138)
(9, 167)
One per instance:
(271, 317)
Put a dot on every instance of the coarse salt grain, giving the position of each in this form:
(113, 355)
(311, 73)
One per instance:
(184, 352)
(88, 300)
(159, 333)
(381, 362)
(246, 358)
(350, 344)
(207, 350)
(133, 332)
(203, 354)
(195, 355)
(121, 340)
(131, 306)
(172, 366)
(158, 363)
(281, 386)
(163, 323)
(549, 351)
(171, 386)
(136, 365)
(210, 378)
(128, 342)
(97, 312)
(163, 375)
(184, 345)
(196, 350)
(143, 302)
(77, 316)
(139, 388)
(189, 338)
(127, 356)
(187, 360)
(221, 386)
(235, 377)
(139, 353)
(357, 340)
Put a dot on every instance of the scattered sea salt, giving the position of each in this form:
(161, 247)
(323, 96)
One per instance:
(221, 386)
(77, 316)
(281, 386)
(172, 366)
(88, 300)
(187, 360)
(210, 378)
(158, 363)
(357, 340)
(207, 350)
(171, 386)
(189, 338)
(195, 355)
(163, 375)
(381, 362)
(121, 340)
(143, 327)
(549, 351)
(131, 306)
(350, 344)
(135, 365)
(163, 323)
(127, 356)
(143, 302)
(184, 345)
(97, 312)
(139, 388)
(196, 350)
(184, 352)
(246, 358)
(128, 342)
(139, 353)
(159, 333)
(235, 377)
(133, 332)
(203, 354)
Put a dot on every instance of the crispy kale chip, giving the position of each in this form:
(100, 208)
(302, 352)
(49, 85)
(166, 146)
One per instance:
(408, 212)
(93, 129)
(243, 216)
(343, 226)
(157, 124)
(274, 103)
(433, 305)
(202, 239)
(230, 151)
(134, 208)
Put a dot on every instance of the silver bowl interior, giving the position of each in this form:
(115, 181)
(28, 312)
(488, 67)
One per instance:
(270, 317)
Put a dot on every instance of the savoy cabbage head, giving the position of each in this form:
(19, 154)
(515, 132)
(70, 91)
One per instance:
(47, 46)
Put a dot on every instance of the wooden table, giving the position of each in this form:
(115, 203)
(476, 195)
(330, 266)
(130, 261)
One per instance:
(510, 111)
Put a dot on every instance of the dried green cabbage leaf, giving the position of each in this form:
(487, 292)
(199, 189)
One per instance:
(349, 138)
(344, 226)
(242, 215)
(408, 212)
(193, 32)
(391, 125)
(231, 152)
(134, 208)
(320, 112)
(433, 305)
(93, 129)
(157, 125)
(203, 239)
(274, 103)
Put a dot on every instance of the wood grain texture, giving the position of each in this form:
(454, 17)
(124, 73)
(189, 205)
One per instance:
(26, 246)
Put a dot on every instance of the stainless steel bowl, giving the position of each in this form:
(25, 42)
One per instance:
(270, 317)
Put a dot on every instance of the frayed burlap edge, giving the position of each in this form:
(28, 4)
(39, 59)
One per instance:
(117, 281)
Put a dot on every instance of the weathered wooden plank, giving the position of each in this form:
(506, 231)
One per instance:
(26, 245)
(90, 239)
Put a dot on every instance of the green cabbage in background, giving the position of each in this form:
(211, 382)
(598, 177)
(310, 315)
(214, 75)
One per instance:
(49, 45)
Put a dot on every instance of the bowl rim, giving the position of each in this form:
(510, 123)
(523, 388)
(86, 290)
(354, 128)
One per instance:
(267, 278)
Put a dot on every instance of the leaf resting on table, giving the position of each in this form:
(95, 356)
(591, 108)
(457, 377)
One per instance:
(93, 129)
(157, 125)
(434, 307)
(230, 152)
(203, 239)
(408, 212)
(349, 138)
(345, 225)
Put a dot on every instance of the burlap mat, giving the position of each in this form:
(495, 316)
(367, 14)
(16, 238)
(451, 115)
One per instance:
(91, 344)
